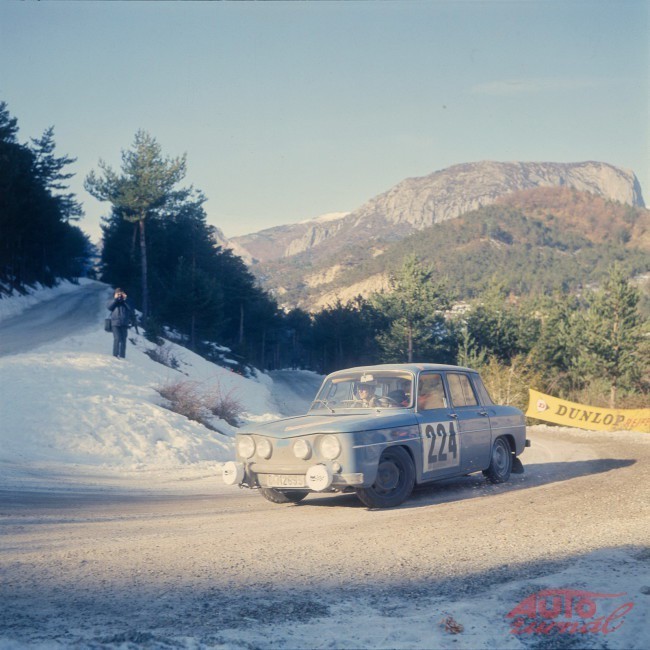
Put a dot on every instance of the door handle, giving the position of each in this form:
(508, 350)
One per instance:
(452, 415)
(483, 413)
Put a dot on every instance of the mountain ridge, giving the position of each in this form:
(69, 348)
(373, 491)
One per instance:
(418, 202)
(537, 240)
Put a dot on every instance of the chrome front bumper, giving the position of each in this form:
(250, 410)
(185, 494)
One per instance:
(317, 478)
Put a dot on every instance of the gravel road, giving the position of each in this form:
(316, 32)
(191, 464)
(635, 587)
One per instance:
(54, 319)
(201, 565)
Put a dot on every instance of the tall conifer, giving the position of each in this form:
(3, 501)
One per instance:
(144, 188)
(613, 334)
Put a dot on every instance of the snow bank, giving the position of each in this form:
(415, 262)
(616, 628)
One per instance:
(17, 303)
(70, 407)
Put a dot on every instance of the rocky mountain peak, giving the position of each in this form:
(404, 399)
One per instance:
(446, 194)
(416, 203)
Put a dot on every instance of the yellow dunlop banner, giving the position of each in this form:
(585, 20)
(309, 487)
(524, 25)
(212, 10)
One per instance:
(570, 414)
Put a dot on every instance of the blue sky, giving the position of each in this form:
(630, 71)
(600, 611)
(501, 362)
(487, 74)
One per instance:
(288, 110)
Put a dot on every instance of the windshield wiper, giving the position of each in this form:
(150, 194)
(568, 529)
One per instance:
(324, 403)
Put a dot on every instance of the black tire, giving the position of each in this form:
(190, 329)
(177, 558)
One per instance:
(394, 482)
(279, 496)
(500, 462)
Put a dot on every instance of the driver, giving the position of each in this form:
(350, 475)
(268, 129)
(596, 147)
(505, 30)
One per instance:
(366, 394)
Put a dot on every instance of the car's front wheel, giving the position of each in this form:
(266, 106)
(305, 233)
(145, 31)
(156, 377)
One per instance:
(394, 482)
(500, 462)
(280, 496)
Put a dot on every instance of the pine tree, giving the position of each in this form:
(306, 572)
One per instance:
(8, 125)
(37, 244)
(145, 187)
(559, 342)
(613, 337)
(414, 306)
(496, 327)
(48, 169)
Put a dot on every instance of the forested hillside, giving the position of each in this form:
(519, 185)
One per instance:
(158, 246)
(536, 242)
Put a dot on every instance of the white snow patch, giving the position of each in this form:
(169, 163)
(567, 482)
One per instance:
(70, 408)
(16, 303)
(324, 218)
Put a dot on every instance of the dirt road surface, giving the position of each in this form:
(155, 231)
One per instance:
(204, 565)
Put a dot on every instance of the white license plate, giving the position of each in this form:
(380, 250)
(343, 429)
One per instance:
(284, 480)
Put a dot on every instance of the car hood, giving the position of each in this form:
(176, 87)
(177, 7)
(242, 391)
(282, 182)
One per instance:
(304, 425)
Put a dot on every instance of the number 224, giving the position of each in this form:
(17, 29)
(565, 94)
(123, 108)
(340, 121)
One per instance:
(442, 454)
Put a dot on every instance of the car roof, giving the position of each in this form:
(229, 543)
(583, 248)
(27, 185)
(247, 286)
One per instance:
(415, 368)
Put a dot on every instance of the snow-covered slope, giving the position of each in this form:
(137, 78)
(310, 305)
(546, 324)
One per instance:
(70, 409)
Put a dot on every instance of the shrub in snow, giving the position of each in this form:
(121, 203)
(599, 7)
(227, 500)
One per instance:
(225, 406)
(163, 354)
(186, 398)
(153, 331)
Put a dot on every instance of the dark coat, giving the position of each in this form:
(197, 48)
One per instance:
(121, 312)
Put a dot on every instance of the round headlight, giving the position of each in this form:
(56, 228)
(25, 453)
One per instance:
(245, 446)
(301, 449)
(264, 448)
(330, 447)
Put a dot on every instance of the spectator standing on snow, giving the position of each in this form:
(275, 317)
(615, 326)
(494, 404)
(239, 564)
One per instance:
(121, 316)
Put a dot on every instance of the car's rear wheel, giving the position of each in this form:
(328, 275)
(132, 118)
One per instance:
(500, 462)
(283, 496)
(394, 482)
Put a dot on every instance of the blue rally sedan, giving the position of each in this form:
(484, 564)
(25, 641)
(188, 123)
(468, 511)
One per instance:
(379, 431)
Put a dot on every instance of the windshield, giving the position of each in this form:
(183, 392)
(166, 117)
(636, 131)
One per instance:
(358, 390)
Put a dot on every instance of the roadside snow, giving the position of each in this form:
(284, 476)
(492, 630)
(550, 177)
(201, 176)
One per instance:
(69, 407)
(17, 303)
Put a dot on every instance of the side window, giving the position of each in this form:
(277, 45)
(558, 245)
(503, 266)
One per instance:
(462, 393)
(431, 392)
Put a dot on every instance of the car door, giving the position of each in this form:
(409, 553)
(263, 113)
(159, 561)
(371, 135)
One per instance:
(441, 450)
(473, 422)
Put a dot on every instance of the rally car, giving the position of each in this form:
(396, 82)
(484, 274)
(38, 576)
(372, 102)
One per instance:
(379, 431)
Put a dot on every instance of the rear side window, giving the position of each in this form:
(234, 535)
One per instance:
(482, 391)
(462, 393)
